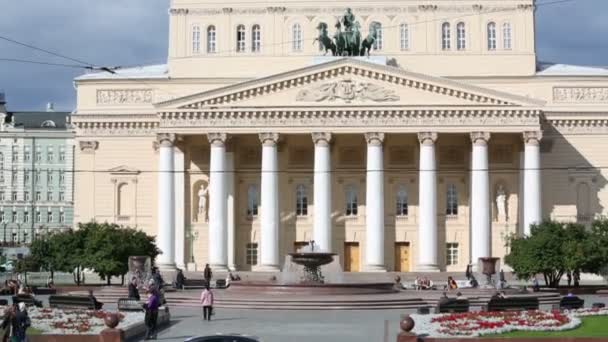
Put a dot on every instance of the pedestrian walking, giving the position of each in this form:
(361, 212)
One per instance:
(207, 274)
(207, 301)
(15, 323)
(151, 307)
(577, 278)
(469, 272)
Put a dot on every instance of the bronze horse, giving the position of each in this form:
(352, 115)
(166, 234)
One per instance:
(369, 41)
(326, 43)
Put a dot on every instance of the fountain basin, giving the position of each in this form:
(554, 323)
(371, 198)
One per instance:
(270, 288)
(315, 259)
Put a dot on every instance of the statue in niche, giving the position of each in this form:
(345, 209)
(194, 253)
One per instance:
(202, 203)
(501, 204)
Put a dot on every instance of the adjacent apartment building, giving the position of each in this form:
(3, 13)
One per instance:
(36, 173)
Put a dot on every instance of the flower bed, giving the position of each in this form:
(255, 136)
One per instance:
(474, 324)
(74, 322)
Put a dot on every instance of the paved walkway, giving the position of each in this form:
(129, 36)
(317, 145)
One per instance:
(297, 326)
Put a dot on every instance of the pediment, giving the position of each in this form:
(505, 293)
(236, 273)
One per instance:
(124, 170)
(347, 82)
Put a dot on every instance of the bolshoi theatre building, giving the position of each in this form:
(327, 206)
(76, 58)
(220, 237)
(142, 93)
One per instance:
(402, 135)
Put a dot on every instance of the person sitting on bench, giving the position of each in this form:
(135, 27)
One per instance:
(98, 305)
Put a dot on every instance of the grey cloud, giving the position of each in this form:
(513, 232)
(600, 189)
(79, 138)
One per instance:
(134, 32)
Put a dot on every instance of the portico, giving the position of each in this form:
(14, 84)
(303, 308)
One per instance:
(232, 113)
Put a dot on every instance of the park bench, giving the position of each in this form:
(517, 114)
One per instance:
(194, 284)
(28, 300)
(513, 303)
(129, 304)
(72, 302)
(44, 290)
(571, 303)
(454, 305)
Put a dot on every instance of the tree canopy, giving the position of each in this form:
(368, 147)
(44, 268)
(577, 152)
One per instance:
(103, 247)
(554, 248)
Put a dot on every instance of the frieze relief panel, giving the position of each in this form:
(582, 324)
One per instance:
(580, 94)
(348, 91)
(124, 96)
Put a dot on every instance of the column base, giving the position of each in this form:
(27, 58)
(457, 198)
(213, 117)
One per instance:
(268, 268)
(218, 268)
(375, 268)
(427, 268)
(170, 266)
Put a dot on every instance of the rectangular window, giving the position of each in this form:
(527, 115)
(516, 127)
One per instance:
(49, 216)
(252, 254)
(15, 154)
(62, 217)
(451, 253)
(2, 196)
(62, 154)
(26, 196)
(62, 196)
(38, 196)
(14, 176)
(38, 217)
(26, 177)
(452, 201)
(37, 176)
(61, 177)
(2, 218)
(49, 176)
(49, 196)
(14, 195)
(50, 154)
(14, 217)
(38, 153)
(27, 154)
(26, 217)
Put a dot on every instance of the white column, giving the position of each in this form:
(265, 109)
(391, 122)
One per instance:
(322, 191)
(230, 209)
(269, 236)
(218, 240)
(532, 180)
(166, 202)
(480, 198)
(427, 206)
(374, 203)
(180, 222)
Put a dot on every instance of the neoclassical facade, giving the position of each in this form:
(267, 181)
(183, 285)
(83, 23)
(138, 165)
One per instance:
(259, 135)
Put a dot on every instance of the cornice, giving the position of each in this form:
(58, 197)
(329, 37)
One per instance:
(128, 128)
(577, 126)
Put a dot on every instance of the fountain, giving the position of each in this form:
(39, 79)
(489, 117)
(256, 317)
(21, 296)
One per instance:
(302, 275)
(312, 261)
(488, 268)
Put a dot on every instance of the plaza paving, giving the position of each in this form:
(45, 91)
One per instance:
(287, 326)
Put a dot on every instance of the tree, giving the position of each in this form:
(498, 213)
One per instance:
(552, 249)
(108, 247)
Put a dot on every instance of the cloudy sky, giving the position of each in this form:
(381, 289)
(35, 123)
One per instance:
(134, 32)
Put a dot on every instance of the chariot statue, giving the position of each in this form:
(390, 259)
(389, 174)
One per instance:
(347, 39)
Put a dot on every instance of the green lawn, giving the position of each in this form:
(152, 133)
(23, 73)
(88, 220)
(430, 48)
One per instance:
(594, 326)
(30, 331)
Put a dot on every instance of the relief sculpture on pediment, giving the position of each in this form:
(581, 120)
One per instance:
(348, 91)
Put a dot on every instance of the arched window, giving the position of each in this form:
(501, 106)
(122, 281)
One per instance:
(404, 37)
(256, 38)
(452, 200)
(196, 39)
(492, 36)
(301, 201)
(582, 203)
(351, 201)
(296, 38)
(378, 42)
(401, 202)
(252, 201)
(211, 39)
(240, 38)
(446, 38)
(461, 40)
(506, 36)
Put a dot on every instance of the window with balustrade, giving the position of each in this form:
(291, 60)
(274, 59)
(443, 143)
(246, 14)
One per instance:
(452, 200)
(252, 201)
(301, 201)
(352, 203)
(401, 201)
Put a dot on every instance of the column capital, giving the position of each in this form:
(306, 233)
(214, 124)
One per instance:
(89, 146)
(374, 138)
(269, 139)
(321, 138)
(532, 137)
(480, 138)
(165, 139)
(427, 138)
(217, 139)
